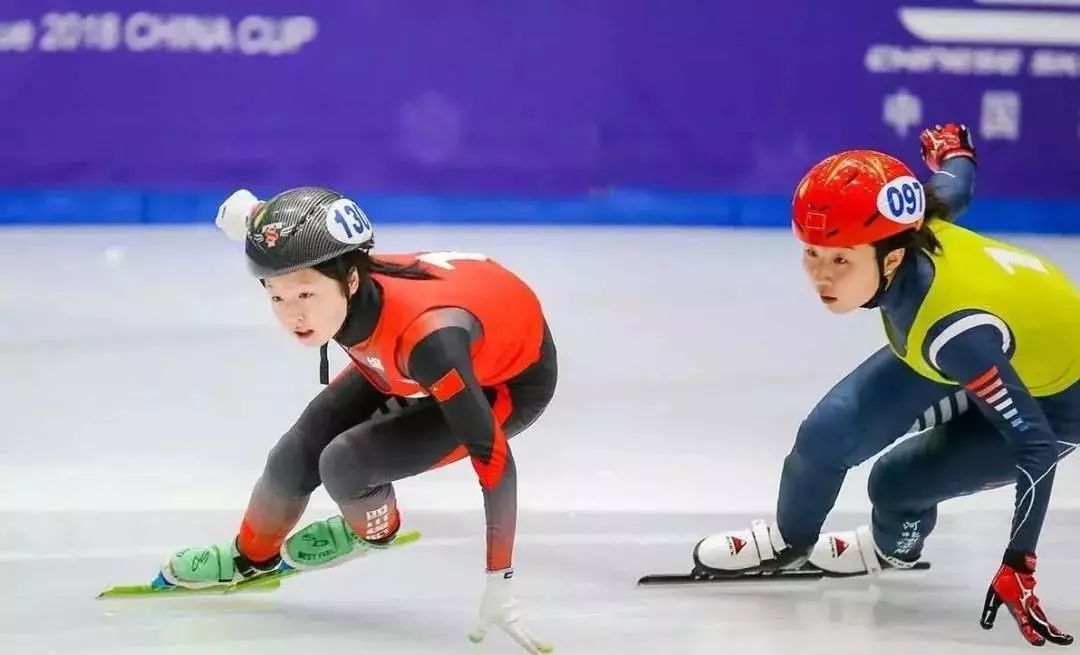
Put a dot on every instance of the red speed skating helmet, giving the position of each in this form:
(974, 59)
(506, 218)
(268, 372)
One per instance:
(856, 197)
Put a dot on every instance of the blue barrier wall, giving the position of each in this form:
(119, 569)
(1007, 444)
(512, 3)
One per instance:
(610, 111)
(623, 208)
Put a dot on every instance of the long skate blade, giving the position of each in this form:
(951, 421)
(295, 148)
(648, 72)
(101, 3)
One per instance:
(270, 582)
(890, 571)
(263, 582)
(698, 577)
(806, 573)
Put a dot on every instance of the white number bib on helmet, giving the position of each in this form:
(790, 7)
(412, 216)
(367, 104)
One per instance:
(902, 200)
(347, 223)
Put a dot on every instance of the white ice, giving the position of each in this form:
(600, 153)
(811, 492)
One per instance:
(144, 382)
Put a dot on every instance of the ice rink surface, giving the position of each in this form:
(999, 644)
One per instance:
(144, 382)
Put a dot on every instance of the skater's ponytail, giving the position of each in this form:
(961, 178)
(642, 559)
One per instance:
(922, 238)
(911, 240)
(365, 264)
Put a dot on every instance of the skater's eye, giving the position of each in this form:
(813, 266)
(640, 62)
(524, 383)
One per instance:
(304, 295)
(839, 259)
(276, 299)
(810, 252)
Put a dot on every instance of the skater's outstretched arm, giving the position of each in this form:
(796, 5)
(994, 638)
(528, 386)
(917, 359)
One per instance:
(441, 361)
(949, 153)
(954, 186)
(973, 348)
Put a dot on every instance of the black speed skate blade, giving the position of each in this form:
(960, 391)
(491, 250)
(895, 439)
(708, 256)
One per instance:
(805, 572)
(888, 570)
(698, 576)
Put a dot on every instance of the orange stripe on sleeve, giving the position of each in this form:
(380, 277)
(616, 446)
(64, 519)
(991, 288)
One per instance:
(982, 379)
(990, 388)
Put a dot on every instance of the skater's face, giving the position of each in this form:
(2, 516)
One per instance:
(309, 305)
(845, 278)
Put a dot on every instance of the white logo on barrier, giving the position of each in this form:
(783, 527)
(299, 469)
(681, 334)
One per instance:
(948, 31)
(1000, 116)
(145, 31)
(1011, 26)
(17, 36)
(902, 110)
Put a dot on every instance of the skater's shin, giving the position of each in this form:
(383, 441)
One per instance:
(269, 518)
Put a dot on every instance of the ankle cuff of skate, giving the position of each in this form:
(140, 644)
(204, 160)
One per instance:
(895, 562)
(247, 567)
(382, 541)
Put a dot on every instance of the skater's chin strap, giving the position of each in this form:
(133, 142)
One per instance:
(883, 282)
(875, 300)
(361, 315)
(881, 251)
(324, 365)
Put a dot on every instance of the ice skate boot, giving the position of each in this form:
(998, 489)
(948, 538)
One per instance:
(197, 568)
(329, 542)
(853, 552)
(760, 549)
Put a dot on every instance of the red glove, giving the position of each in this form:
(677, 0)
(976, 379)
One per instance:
(942, 143)
(1014, 586)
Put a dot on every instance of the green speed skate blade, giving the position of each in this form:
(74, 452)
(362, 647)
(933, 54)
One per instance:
(263, 582)
(402, 539)
(138, 590)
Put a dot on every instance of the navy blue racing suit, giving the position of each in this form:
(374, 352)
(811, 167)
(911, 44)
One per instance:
(963, 445)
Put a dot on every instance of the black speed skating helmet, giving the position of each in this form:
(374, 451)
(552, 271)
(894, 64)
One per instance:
(302, 227)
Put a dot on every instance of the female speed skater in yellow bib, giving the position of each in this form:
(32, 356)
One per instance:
(983, 362)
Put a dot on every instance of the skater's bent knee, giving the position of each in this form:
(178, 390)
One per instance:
(348, 469)
(884, 487)
(337, 467)
(289, 469)
(825, 437)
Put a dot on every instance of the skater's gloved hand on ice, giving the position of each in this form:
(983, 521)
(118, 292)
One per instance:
(1014, 586)
(943, 142)
(499, 608)
(233, 214)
